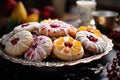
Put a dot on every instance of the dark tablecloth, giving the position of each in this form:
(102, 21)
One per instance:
(89, 71)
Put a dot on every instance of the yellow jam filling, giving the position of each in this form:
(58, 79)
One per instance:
(68, 46)
(47, 20)
(97, 32)
(70, 39)
(74, 51)
(90, 29)
(66, 50)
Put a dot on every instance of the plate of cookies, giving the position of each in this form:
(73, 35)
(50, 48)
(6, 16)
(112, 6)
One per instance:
(53, 43)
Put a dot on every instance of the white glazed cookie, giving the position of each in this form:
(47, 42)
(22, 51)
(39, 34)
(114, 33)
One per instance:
(91, 42)
(54, 28)
(41, 48)
(6, 37)
(67, 48)
(19, 43)
(30, 26)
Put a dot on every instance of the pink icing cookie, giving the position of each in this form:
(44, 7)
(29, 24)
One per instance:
(41, 48)
(54, 28)
(91, 42)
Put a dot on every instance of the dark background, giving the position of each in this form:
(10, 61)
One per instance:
(6, 24)
(101, 4)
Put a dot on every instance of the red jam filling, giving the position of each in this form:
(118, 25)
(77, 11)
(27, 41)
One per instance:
(29, 53)
(49, 30)
(68, 44)
(34, 46)
(91, 38)
(43, 28)
(89, 31)
(54, 26)
(14, 41)
(35, 39)
(32, 56)
(24, 25)
(41, 38)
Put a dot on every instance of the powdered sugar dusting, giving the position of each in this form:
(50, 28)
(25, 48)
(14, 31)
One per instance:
(38, 48)
(54, 26)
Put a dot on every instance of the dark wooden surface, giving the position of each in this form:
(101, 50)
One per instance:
(89, 71)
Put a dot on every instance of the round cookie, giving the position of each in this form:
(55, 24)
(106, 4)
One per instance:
(91, 42)
(19, 43)
(54, 28)
(30, 26)
(40, 49)
(67, 48)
